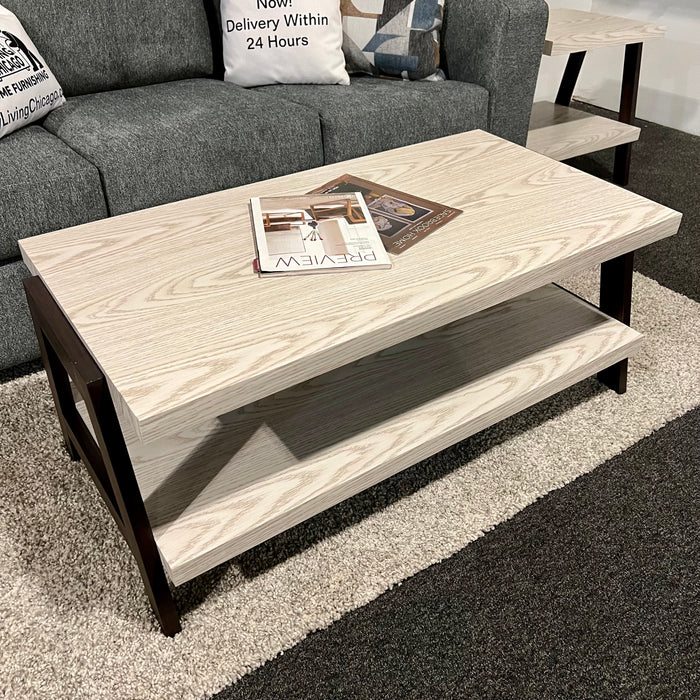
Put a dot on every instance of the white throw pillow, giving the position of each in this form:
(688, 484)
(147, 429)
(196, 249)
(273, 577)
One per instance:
(283, 41)
(28, 89)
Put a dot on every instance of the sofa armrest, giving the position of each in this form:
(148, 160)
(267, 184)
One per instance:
(498, 45)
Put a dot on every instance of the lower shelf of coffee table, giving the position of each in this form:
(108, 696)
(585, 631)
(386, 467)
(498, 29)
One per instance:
(561, 132)
(217, 491)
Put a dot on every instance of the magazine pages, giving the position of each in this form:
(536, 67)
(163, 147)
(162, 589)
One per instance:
(315, 233)
(401, 219)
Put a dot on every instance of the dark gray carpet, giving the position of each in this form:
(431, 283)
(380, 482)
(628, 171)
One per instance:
(592, 592)
(665, 165)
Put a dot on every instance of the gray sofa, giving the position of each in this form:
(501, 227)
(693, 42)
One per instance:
(149, 121)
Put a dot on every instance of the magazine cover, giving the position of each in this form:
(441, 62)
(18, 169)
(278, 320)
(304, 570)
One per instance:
(315, 233)
(401, 219)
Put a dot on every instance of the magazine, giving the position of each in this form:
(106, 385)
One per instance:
(315, 233)
(401, 219)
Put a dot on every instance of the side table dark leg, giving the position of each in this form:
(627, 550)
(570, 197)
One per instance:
(616, 301)
(568, 80)
(628, 108)
(105, 455)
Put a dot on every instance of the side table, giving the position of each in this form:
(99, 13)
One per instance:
(560, 132)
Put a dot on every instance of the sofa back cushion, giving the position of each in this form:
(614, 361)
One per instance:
(393, 38)
(98, 45)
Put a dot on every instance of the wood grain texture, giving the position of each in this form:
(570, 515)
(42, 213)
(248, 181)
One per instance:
(569, 31)
(563, 132)
(217, 491)
(167, 302)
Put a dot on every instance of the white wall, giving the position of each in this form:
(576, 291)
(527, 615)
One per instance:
(669, 87)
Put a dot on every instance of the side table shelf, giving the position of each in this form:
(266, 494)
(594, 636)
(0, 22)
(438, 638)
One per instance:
(560, 132)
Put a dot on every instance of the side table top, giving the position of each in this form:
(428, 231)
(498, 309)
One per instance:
(570, 31)
(167, 302)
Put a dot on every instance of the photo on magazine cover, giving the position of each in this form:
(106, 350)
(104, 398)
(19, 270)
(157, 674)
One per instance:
(399, 208)
(386, 225)
(305, 233)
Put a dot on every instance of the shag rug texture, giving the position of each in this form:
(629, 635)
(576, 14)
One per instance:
(75, 623)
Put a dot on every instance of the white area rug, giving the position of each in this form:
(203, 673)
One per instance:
(75, 623)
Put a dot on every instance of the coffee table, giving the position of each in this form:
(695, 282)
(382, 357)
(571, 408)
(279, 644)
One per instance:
(215, 409)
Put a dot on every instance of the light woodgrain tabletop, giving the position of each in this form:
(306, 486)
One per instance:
(167, 301)
(569, 31)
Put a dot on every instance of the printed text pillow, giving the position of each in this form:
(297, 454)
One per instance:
(28, 89)
(399, 38)
(283, 41)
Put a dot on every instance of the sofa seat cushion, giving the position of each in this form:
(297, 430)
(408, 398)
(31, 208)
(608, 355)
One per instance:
(44, 186)
(375, 114)
(161, 143)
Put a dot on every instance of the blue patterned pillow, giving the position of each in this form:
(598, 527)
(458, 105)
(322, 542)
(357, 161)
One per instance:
(397, 38)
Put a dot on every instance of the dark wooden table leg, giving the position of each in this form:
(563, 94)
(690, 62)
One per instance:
(60, 389)
(568, 81)
(628, 108)
(137, 528)
(616, 301)
(105, 455)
